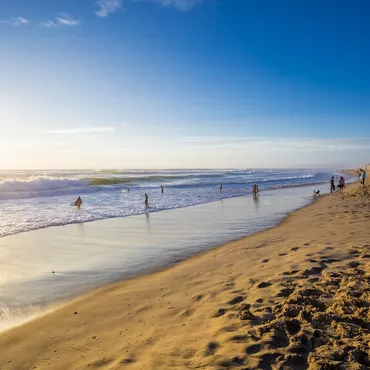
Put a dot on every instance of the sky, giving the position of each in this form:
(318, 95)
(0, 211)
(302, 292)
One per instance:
(184, 83)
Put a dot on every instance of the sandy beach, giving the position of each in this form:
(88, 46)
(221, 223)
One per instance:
(292, 297)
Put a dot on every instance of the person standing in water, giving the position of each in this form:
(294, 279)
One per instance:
(146, 202)
(255, 190)
(162, 190)
(220, 187)
(78, 202)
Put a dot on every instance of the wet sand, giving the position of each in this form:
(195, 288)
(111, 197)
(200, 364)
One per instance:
(292, 297)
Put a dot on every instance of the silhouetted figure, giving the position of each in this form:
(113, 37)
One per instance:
(220, 187)
(78, 202)
(255, 190)
(332, 185)
(162, 190)
(146, 202)
(341, 184)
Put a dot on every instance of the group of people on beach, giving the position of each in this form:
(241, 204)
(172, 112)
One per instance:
(78, 202)
(341, 184)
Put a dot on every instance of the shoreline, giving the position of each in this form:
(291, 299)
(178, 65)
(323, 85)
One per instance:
(202, 264)
(135, 246)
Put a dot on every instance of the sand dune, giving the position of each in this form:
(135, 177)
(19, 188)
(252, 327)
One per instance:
(292, 297)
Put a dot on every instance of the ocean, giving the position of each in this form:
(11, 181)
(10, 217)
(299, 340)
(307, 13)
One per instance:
(31, 200)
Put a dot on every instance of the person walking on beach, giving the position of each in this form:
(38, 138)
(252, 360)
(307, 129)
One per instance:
(341, 184)
(146, 202)
(363, 177)
(332, 185)
(162, 190)
(255, 190)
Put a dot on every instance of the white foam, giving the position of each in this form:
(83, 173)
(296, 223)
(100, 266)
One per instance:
(38, 183)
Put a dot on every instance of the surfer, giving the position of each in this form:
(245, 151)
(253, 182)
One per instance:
(255, 190)
(162, 190)
(78, 202)
(220, 187)
(146, 202)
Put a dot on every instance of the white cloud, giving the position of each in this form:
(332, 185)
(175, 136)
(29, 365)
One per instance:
(108, 6)
(80, 130)
(20, 21)
(183, 5)
(49, 24)
(67, 20)
(279, 144)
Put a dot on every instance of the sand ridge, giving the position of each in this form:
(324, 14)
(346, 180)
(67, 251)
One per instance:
(291, 297)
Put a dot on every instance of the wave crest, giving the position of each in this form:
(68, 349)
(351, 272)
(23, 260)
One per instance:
(37, 183)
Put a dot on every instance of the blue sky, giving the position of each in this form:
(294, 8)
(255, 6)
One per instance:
(184, 83)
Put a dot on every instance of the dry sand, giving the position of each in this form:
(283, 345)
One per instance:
(293, 297)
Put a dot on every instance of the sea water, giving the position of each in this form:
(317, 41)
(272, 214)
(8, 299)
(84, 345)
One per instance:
(37, 199)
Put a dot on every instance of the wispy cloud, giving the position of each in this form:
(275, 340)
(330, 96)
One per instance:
(80, 130)
(278, 144)
(67, 20)
(108, 6)
(19, 21)
(183, 5)
(49, 24)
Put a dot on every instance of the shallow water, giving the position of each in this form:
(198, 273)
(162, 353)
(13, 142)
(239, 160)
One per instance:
(49, 265)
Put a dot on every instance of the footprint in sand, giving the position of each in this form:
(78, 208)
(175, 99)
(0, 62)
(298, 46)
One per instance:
(197, 298)
(265, 260)
(211, 349)
(294, 249)
(239, 338)
(282, 254)
(236, 300)
(254, 348)
(292, 272)
(264, 284)
(220, 312)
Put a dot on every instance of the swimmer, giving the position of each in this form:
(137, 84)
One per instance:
(220, 187)
(78, 202)
(162, 190)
